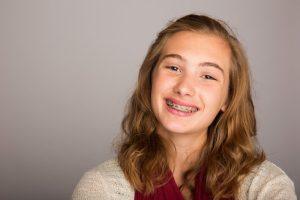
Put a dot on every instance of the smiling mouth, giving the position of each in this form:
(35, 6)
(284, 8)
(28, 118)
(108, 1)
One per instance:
(186, 109)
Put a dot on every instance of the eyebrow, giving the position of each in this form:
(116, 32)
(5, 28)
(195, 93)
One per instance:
(202, 64)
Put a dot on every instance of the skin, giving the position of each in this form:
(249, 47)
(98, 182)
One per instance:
(183, 79)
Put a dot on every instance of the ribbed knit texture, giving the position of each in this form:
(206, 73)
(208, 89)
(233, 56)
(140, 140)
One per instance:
(107, 182)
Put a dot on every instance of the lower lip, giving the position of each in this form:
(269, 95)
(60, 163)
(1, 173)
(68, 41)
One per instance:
(179, 113)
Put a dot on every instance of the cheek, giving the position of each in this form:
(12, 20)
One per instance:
(162, 83)
(156, 89)
(213, 97)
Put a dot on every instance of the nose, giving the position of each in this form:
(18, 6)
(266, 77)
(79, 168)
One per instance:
(185, 86)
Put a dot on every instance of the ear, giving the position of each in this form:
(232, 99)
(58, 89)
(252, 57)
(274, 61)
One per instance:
(223, 108)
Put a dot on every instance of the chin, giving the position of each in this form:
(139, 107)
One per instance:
(175, 128)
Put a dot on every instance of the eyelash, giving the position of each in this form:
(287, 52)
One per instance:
(212, 78)
(172, 68)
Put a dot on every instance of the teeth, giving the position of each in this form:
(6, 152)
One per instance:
(181, 108)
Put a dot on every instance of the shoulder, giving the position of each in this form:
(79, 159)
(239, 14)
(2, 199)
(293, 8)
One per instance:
(267, 181)
(106, 181)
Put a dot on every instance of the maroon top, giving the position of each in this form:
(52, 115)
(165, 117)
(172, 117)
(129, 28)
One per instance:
(171, 191)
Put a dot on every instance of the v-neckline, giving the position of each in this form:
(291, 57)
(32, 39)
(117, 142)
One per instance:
(199, 190)
(175, 187)
(170, 190)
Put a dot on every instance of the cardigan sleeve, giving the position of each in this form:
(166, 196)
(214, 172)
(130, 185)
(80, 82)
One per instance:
(278, 188)
(271, 182)
(90, 187)
(104, 182)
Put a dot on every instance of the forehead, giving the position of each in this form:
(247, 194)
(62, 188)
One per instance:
(197, 47)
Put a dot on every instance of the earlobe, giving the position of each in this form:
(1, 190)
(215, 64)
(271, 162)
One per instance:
(223, 108)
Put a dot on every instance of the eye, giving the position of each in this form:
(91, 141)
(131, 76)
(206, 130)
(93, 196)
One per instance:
(173, 68)
(209, 77)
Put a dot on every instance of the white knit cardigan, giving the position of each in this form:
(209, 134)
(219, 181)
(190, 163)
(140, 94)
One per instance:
(107, 182)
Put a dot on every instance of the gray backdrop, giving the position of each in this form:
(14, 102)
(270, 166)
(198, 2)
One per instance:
(68, 67)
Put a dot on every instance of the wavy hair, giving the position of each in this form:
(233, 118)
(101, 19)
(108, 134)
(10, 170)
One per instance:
(231, 149)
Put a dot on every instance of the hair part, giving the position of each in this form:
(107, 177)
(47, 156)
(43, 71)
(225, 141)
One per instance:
(231, 149)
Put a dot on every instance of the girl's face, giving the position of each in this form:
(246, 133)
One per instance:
(190, 82)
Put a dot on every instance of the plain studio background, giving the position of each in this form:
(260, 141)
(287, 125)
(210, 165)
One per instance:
(68, 67)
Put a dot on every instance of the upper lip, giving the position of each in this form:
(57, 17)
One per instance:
(179, 102)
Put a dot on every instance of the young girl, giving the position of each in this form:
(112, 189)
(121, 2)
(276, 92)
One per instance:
(190, 127)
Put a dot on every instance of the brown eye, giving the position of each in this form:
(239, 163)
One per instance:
(209, 77)
(173, 68)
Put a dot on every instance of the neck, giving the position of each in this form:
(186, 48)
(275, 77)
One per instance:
(188, 147)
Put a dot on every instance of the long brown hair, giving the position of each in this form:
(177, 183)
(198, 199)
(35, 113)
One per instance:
(231, 149)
